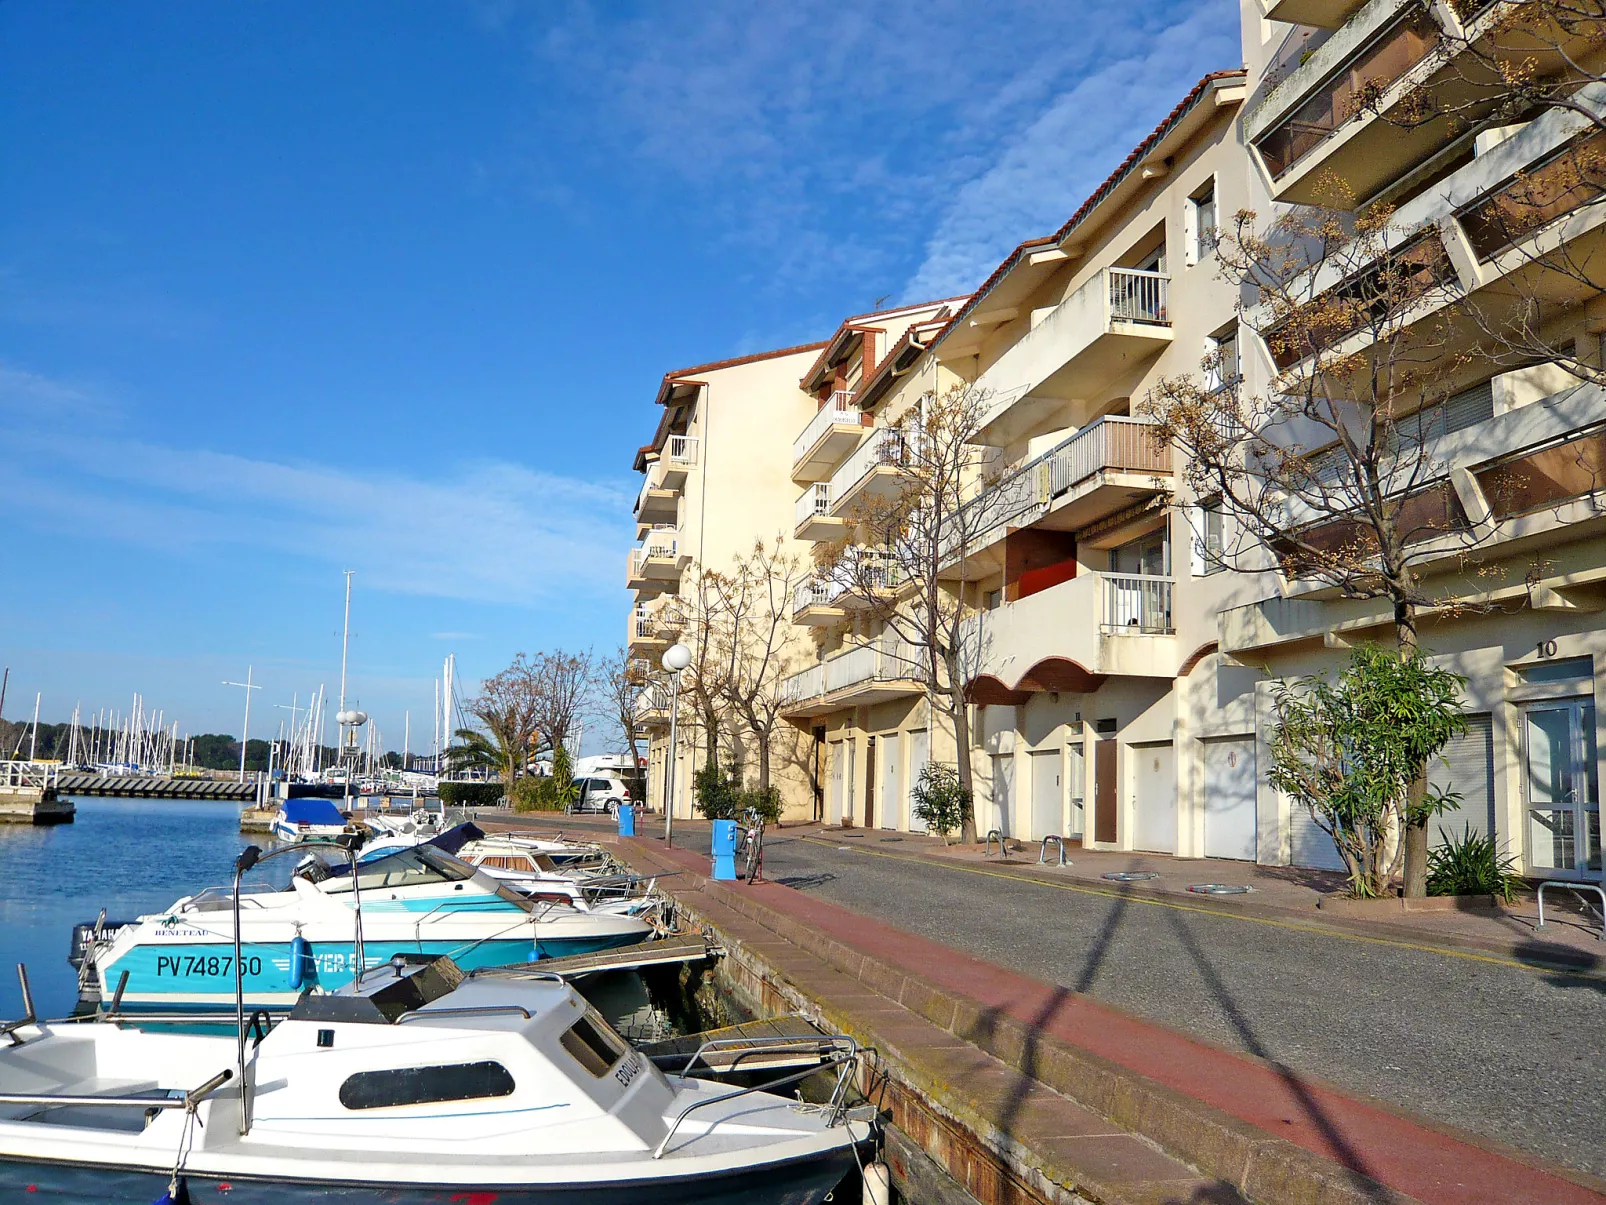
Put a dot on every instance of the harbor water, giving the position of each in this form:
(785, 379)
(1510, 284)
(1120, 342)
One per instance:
(128, 856)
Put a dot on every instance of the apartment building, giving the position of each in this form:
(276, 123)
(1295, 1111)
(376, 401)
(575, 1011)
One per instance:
(715, 479)
(1092, 603)
(735, 442)
(1519, 444)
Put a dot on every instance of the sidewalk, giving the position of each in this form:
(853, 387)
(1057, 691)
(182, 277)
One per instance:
(1569, 941)
(1223, 1112)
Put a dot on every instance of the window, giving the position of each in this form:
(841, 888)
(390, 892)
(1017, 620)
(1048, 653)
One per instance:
(1221, 363)
(425, 1085)
(1202, 223)
(994, 599)
(1208, 539)
(593, 1044)
(1564, 670)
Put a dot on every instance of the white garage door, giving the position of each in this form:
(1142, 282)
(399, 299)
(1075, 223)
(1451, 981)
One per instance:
(891, 797)
(1310, 845)
(1466, 765)
(1154, 789)
(1229, 799)
(1048, 795)
(834, 804)
(919, 755)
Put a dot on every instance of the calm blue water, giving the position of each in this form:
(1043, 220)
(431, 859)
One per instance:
(128, 856)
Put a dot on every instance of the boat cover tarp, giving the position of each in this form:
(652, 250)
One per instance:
(311, 811)
(453, 839)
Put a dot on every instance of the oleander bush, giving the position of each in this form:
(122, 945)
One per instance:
(940, 803)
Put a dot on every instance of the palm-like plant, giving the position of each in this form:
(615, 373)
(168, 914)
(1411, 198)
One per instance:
(478, 750)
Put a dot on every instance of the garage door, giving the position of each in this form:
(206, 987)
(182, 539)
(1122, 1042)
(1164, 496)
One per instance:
(1154, 779)
(1466, 765)
(1310, 845)
(1048, 795)
(891, 797)
(834, 814)
(919, 755)
(1229, 799)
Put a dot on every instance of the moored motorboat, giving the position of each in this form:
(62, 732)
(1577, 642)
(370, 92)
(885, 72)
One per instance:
(419, 1083)
(308, 820)
(416, 900)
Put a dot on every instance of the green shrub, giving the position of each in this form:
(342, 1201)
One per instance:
(765, 801)
(528, 795)
(471, 794)
(1471, 865)
(716, 793)
(940, 803)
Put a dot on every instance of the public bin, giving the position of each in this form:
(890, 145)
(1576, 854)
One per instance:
(724, 849)
(627, 820)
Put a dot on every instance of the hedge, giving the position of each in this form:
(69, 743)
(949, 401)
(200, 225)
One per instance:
(472, 794)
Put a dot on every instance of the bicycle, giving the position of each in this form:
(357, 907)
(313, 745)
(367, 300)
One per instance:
(752, 845)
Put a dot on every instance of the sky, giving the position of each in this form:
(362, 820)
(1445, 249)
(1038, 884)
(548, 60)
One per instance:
(293, 289)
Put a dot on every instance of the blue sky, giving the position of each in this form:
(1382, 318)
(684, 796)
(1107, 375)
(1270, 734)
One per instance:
(292, 289)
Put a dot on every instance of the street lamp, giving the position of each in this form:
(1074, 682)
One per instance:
(676, 658)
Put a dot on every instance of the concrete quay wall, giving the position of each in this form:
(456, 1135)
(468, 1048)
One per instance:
(34, 805)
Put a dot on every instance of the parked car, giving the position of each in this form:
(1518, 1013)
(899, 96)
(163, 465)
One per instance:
(600, 793)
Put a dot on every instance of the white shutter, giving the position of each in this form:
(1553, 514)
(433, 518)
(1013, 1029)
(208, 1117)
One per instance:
(1196, 533)
(1466, 765)
(1310, 845)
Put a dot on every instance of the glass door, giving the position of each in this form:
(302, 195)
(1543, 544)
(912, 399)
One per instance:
(1563, 789)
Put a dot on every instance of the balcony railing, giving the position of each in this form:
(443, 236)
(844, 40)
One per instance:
(814, 501)
(816, 592)
(682, 449)
(885, 447)
(1140, 296)
(862, 569)
(1347, 91)
(1113, 443)
(838, 411)
(1135, 604)
(661, 544)
(880, 661)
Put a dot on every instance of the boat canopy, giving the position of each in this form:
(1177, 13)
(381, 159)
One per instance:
(311, 811)
(453, 839)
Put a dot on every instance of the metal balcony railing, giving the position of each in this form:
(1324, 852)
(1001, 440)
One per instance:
(661, 544)
(1135, 604)
(839, 410)
(816, 592)
(816, 500)
(682, 449)
(879, 661)
(1139, 296)
(885, 446)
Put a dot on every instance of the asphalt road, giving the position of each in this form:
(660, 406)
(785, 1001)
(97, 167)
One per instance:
(1514, 1054)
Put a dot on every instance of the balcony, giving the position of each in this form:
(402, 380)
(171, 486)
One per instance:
(1324, 14)
(1118, 318)
(652, 629)
(656, 504)
(1107, 466)
(830, 435)
(871, 673)
(850, 585)
(678, 457)
(656, 564)
(1029, 644)
(652, 706)
(814, 520)
(872, 473)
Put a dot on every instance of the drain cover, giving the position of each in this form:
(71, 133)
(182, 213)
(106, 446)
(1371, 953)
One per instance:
(886, 839)
(1218, 889)
(1128, 876)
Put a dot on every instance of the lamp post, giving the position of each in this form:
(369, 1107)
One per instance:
(676, 658)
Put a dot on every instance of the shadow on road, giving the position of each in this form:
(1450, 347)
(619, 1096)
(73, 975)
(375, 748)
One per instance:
(1332, 1133)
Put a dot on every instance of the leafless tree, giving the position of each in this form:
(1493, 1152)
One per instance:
(620, 681)
(753, 641)
(561, 686)
(1331, 474)
(506, 709)
(903, 566)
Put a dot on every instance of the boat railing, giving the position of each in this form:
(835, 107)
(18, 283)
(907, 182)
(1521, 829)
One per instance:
(478, 1011)
(843, 1054)
(187, 1099)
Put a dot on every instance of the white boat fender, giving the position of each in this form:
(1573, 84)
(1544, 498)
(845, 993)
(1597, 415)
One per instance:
(877, 1184)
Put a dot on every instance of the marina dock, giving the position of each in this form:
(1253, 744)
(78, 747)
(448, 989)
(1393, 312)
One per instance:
(31, 794)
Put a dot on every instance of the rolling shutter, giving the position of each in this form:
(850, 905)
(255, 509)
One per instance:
(1467, 766)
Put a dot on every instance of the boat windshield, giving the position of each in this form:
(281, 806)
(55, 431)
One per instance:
(412, 867)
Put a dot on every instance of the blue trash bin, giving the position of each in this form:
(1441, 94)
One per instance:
(724, 849)
(627, 820)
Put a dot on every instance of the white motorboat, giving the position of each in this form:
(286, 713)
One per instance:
(308, 819)
(415, 900)
(417, 1084)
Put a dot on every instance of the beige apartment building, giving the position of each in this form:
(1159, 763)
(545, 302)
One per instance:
(1519, 447)
(733, 440)
(1094, 607)
(1121, 691)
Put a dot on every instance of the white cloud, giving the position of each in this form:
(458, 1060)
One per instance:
(486, 530)
(1056, 161)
